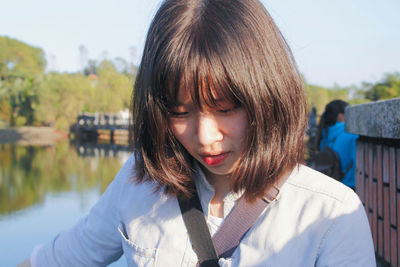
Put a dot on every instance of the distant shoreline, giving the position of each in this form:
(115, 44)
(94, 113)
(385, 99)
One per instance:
(41, 136)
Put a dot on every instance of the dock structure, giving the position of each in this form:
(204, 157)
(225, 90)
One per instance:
(102, 127)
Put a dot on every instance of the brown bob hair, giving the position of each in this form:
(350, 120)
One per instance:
(218, 48)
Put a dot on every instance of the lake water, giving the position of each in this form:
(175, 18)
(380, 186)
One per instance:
(45, 190)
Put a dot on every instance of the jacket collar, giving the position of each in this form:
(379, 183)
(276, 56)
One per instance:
(206, 191)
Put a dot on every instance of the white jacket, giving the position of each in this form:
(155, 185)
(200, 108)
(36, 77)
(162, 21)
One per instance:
(315, 221)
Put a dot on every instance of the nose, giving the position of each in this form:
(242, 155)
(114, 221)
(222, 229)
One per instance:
(208, 129)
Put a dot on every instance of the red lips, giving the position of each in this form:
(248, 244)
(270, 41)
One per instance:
(215, 159)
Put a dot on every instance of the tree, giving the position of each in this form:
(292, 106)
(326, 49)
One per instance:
(21, 69)
(387, 88)
(113, 90)
(317, 96)
(61, 97)
(20, 59)
(28, 96)
(91, 68)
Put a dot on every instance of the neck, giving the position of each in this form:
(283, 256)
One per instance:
(222, 186)
(220, 183)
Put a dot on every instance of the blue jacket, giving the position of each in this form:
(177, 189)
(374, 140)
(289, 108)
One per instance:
(345, 147)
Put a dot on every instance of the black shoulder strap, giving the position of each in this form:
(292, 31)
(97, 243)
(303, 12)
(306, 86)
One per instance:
(199, 233)
(348, 168)
(228, 237)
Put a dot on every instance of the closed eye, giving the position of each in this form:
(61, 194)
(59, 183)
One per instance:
(225, 110)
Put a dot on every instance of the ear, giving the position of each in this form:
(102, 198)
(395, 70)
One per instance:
(340, 117)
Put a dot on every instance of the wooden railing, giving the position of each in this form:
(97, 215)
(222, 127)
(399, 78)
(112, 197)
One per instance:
(101, 126)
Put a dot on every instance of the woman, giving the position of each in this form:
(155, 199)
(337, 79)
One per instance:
(332, 134)
(219, 110)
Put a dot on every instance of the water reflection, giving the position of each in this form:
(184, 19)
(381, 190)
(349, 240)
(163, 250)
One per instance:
(92, 149)
(28, 173)
(44, 190)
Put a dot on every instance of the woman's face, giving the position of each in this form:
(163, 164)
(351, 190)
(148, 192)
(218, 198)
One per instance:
(215, 137)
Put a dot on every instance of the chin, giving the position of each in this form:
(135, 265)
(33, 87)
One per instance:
(216, 171)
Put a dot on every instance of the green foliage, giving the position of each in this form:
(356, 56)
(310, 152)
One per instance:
(28, 96)
(338, 93)
(5, 111)
(113, 90)
(21, 69)
(61, 97)
(20, 95)
(318, 96)
(19, 59)
(388, 88)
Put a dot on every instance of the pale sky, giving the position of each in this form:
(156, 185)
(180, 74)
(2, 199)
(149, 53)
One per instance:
(341, 42)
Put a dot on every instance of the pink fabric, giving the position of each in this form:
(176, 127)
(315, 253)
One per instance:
(237, 224)
(239, 221)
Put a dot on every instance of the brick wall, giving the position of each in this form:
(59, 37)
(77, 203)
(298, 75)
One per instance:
(378, 171)
(378, 185)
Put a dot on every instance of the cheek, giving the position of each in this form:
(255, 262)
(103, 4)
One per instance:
(179, 130)
(240, 127)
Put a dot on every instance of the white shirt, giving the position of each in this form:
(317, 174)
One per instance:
(315, 221)
(214, 223)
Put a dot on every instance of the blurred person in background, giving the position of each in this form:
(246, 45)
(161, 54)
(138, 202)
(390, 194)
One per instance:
(332, 133)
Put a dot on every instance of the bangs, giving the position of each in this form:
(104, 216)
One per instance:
(200, 72)
(205, 85)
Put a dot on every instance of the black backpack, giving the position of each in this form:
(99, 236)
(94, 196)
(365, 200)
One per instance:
(327, 161)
